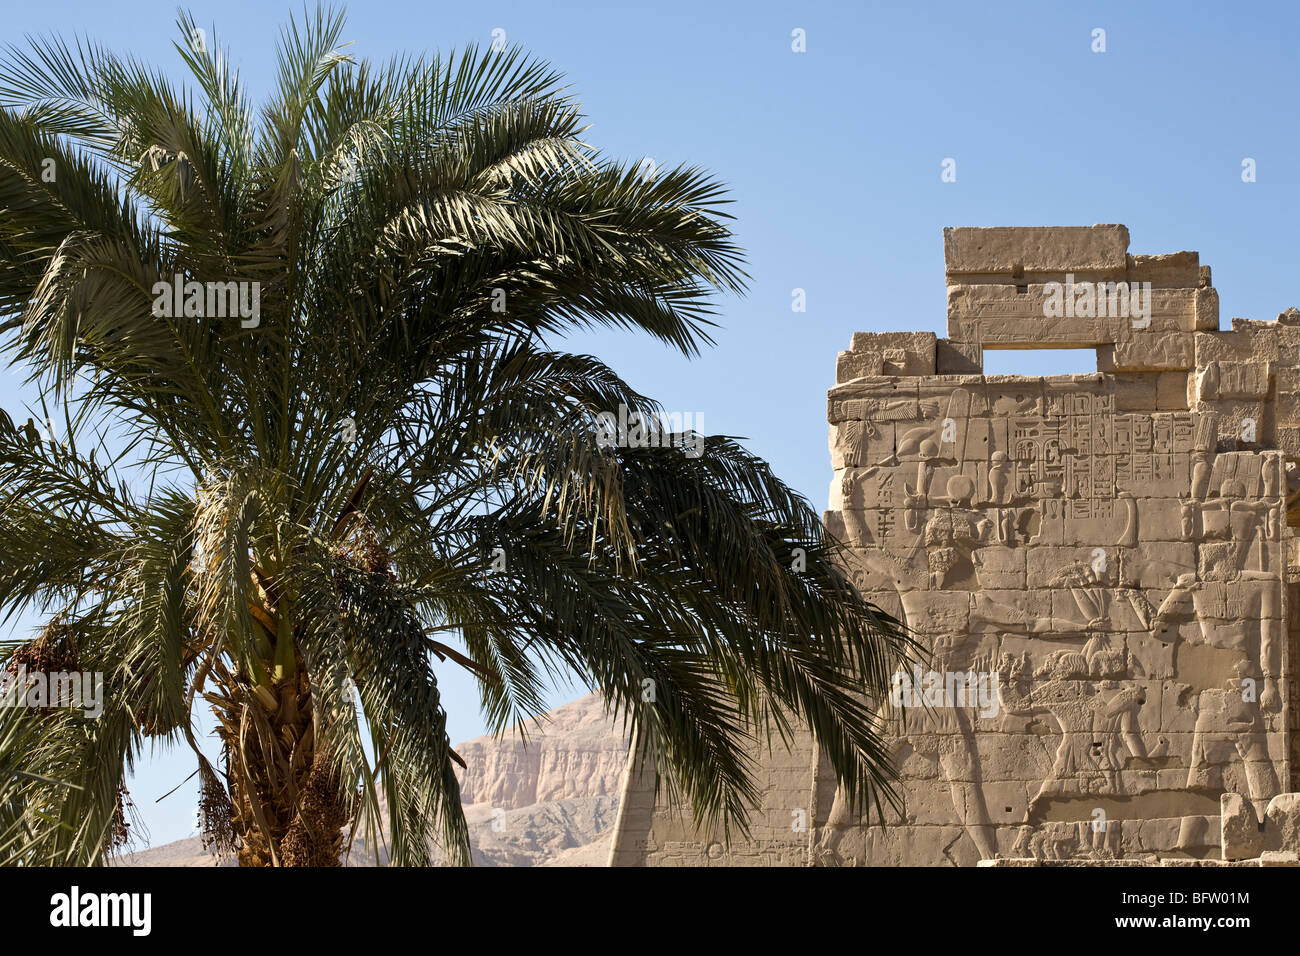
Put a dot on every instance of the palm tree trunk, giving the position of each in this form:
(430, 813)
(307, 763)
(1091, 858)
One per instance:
(286, 809)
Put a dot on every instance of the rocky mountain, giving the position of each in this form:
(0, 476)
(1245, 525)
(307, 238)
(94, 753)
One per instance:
(577, 752)
(539, 796)
(543, 833)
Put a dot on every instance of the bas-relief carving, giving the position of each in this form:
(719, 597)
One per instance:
(1069, 475)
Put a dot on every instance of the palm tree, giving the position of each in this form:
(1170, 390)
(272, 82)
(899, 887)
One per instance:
(281, 497)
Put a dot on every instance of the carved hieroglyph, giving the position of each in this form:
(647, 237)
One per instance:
(1100, 561)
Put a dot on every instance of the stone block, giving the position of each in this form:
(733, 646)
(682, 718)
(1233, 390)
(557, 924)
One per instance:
(878, 399)
(1171, 391)
(1218, 381)
(1136, 392)
(1283, 816)
(1006, 250)
(1055, 316)
(852, 365)
(1206, 310)
(1172, 270)
(958, 358)
(1279, 858)
(1138, 351)
(901, 353)
(1239, 829)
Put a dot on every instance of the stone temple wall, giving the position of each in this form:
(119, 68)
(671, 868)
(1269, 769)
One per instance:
(1098, 565)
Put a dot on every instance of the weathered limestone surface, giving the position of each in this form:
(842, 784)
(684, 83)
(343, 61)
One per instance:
(651, 832)
(1101, 567)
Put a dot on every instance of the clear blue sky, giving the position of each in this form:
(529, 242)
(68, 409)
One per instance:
(834, 157)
